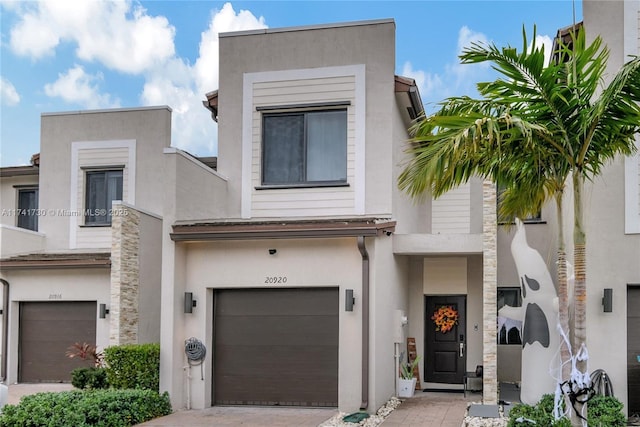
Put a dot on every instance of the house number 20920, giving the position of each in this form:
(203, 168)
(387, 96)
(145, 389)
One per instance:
(275, 279)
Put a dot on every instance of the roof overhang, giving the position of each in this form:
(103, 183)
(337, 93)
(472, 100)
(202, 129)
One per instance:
(251, 230)
(412, 102)
(57, 261)
(211, 104)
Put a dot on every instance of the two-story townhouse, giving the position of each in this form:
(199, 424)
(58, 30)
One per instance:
(302, 268)
(612, 225)
(84, 266)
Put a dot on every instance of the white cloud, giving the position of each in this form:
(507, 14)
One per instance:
(115, 33)
(468, 37)
(428, 83)
(543, 42)
(460, 79)
(122, 36)
(183, 87)
(76, 86)
(8, 93)
(456, 79)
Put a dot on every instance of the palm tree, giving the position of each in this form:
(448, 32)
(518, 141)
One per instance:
(534, 127)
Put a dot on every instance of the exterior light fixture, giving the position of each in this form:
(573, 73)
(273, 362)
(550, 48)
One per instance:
(607, 300)
(349, 300)
(103, 311)
(189, 302)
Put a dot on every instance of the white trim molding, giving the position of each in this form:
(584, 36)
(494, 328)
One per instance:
(249, 79)
(130, 145)
(632, 193)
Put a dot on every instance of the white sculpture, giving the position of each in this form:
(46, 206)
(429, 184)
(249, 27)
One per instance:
(540, 339)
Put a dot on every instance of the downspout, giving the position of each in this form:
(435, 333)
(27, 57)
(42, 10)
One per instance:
(365, 322)
(5, 329)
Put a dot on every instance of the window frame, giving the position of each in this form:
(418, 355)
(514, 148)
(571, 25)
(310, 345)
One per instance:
(531, 219)
(518, 291)
(91, 220)
(27, 212)
(304, 111)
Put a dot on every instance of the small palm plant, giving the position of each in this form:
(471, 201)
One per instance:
(406, 369)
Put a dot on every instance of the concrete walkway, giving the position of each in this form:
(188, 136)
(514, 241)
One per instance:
(431, 409)
(425, 409)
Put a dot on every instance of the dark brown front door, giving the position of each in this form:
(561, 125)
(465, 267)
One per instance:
(445, 353)
(633, 350)
(276, 347)
(47, 329)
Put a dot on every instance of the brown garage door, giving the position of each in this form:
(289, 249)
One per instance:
(47, 329)
(276, 347)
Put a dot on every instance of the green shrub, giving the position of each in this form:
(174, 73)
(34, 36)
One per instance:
(133, 366)
(89, 378)
(602, 411)
(539, 415)
(605, 411)
(102, 408)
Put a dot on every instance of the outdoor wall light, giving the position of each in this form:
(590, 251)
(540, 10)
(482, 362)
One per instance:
(607, 300)
(189, 302)
(103, 311)
(272, 251)
(349, 300)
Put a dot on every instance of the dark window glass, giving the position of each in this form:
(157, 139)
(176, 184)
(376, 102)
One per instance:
(509, 323)
(103, 187)
(305, 148)
(28, 209)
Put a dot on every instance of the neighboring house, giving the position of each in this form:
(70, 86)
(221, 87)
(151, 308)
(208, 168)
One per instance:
(303, 212)
(75, 267)
(612, 224)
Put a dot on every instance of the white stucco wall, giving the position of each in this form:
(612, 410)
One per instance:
(305, 263)
(150, 130)
(54, 285)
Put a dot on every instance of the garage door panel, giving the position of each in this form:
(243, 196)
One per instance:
(275, 353)
(239, 360)
(47, 329)
(287, 302)
(259, 330)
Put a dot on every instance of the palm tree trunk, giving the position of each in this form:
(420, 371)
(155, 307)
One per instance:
(580, 286)
(563, 300)
(563, 294)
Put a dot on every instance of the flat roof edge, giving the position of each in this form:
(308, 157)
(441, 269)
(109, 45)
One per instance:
(307, 27)
(106, 110)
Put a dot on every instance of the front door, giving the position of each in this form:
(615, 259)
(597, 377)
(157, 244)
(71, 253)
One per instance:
(445, 340)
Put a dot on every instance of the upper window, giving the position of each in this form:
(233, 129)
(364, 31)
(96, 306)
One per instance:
(28, 208)
(305, 148)
(103, 187)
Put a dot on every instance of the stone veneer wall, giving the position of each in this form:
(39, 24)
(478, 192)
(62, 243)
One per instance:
(489, 294)
(125, 244)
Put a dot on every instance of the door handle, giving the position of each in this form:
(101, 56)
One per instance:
(461, 349)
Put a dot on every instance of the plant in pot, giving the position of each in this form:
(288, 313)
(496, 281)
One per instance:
(407, 381)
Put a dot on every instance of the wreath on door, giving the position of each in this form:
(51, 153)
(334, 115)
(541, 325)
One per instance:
(445, 318)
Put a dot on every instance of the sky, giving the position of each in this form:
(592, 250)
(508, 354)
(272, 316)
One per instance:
(95, 54)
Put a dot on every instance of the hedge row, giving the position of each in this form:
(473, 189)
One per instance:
(100, 408)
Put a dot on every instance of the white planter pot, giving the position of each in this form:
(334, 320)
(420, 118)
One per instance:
(406, 387)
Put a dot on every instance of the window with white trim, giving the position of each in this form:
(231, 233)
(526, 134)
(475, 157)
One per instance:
(304, 148)
(102, 188)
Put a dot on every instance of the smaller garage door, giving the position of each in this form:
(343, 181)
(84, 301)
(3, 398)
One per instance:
(47, 329)
(276, 347)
